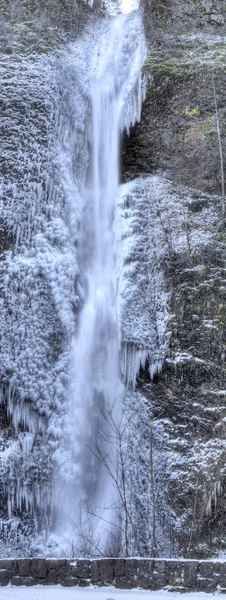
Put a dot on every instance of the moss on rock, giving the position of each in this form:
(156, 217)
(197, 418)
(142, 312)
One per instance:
(182, 56)
(36, 26)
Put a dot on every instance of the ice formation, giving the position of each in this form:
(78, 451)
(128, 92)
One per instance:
(142, 296)
(82, 299)
(38, 273)
(89, 467)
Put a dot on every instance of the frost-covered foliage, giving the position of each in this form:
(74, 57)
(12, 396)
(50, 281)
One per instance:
(91, 506)
(44, 103)
(46, 140)
(142, 293)
(175, 231)
(144, 451)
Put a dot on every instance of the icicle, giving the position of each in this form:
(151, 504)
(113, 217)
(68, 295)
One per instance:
(133, 359)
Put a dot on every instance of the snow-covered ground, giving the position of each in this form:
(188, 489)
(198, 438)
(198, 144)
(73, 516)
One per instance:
(92, 593)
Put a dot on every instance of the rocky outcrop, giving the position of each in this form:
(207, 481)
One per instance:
(177, 138)
(38, 27)
(33, 339)
(178, 129)
(173, 16)
(175, 150)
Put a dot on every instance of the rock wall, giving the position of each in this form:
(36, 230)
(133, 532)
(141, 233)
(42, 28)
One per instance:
(34, 27)
(43, 98)
(178, 144)
(175, 149)
(149, 574)
(174, 16)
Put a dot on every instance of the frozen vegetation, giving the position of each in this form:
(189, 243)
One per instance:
(70, 309)
(92, 456)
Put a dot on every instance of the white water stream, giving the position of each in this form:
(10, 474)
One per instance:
(83, 302)
(91, 511)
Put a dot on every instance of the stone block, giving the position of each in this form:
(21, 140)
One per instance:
(144, 567)
(39, 568)
(8, 565)
(206, 585)
(24, 567)
(57, 563)
(216, 19)
(132, 568)
(206, 569)
(28, 581)
(160, 573)
(4, 577)
(123, 584)
(119, 567)
(70, 582)
(175, 570)
(80, 568)
(95, 571)
(57, 570)
(143, 572)
(107, 570)
(223, 575)
(190, 574)
(54, 577)
(83, 582)
(145, 581)
(217, 571)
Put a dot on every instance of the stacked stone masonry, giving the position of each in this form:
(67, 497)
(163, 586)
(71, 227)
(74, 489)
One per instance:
(152, 574)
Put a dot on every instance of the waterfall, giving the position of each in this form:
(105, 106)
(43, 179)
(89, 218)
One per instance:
(90, 511)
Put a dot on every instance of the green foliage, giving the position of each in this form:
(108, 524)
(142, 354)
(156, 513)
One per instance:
(187, 55)
(192, 112)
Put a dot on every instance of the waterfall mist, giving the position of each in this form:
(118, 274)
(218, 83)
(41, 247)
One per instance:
(89, 489)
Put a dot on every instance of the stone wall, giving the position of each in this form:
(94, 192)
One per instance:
(181, 575)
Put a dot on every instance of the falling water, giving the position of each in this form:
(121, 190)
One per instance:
(91, 509)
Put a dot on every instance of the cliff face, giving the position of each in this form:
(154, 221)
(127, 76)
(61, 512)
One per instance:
(176, 484)
(40, 26)
(42, 97)
(173, 16)
(178, 140)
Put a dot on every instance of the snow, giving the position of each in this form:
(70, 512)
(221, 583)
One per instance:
(92, 593)
(43, 284)
(91, 505)
(142, 296)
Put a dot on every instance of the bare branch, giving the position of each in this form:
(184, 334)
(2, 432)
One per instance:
(220, 153)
